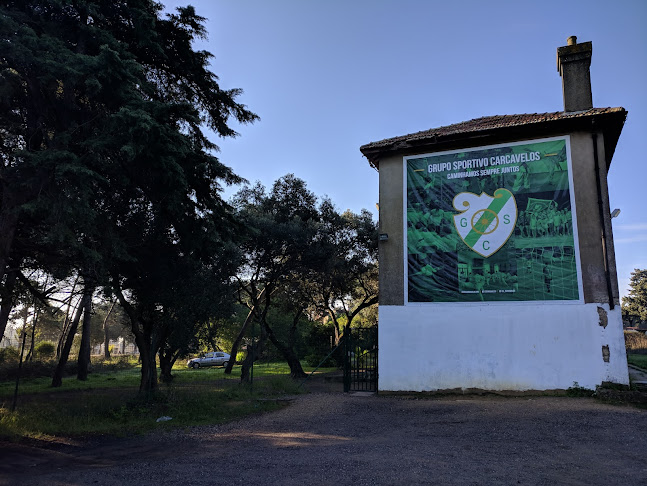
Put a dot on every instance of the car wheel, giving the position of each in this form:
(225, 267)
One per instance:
(196, 366)
(225, 364)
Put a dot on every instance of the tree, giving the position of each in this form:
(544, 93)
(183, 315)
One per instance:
(634, 305)
(299, 255)
(282, 227)
(346, 281)
(84, 302)
(102, 105)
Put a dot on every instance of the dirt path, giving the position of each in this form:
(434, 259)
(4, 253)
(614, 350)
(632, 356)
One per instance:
(325, 438)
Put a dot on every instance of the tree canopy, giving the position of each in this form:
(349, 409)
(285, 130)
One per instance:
(305, 256)
(105, 166)
(634, 305)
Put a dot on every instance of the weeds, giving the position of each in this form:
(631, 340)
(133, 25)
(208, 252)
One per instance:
(108, 403)
(579, 391)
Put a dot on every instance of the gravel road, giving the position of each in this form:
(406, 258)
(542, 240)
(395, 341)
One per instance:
(326, 438)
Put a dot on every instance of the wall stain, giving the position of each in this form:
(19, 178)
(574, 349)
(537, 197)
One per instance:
(605, 353)
(603, 318)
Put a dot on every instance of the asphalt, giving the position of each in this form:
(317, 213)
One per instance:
(638, 378)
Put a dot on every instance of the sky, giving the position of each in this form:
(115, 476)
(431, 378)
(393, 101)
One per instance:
(328, 76)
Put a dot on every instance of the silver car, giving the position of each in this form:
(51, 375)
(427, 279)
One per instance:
(215, 358)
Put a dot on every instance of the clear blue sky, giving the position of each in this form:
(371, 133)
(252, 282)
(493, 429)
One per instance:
(328, 76)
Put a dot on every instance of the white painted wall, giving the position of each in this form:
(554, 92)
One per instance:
(498, 347)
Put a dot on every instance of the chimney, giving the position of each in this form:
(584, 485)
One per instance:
(573, 62)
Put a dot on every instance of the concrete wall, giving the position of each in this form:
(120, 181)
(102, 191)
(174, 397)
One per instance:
(588, 218)
(391, 252)
(499, 347)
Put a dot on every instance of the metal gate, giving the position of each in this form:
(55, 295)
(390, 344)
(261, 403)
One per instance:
(360, 359)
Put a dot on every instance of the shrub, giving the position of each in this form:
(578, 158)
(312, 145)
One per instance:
(240, 356)
(9, 355)
(45, 349)
(636, 342)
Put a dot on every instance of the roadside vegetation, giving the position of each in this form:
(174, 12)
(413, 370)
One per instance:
(636, 344)
(108, 404)
(114, 234)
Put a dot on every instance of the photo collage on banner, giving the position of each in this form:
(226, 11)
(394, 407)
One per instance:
(491, 224)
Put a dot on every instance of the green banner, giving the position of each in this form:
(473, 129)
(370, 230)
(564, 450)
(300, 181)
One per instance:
(491, 224)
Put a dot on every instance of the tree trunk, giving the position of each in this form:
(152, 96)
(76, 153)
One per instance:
(148, 383)
(253, 355)
(336, 326)
(241, 335)
(106, 339)
(6, 304)
(66, 321)
(22, 352)
(296, 371)
(30, 354)
(147, 343)
(57, 379)
(84, 351)
(8, 224)
(166, 365)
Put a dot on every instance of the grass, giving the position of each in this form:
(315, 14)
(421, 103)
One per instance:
(639, 360)
(108, 402)
(119, 412)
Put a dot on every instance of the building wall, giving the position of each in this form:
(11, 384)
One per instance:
(391, 252)
(495, 347)
(588, 218)
(513, 346)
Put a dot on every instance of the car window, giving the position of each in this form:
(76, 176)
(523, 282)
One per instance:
(220, 355)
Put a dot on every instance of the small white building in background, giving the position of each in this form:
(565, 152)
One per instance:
(10, 339)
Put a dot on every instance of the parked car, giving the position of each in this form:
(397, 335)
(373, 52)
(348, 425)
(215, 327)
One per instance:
(215, 358)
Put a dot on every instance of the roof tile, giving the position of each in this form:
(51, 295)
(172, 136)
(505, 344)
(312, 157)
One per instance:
(487, 123)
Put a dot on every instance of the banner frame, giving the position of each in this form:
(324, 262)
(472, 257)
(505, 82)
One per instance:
(576, 247)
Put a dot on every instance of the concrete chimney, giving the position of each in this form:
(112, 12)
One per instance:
(573, 63)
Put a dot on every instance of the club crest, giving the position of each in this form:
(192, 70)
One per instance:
(485, 223)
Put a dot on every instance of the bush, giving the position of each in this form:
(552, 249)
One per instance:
(240, 356)
(34, 369)
(636, 342)
(9, 355)
(45, 349)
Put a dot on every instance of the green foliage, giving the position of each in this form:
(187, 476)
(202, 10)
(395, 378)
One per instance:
(320, 343)
(578, 391)
(45, 349)
(107, 171)
(9, 356)
(303, 258)
(44, 368)
(634, 305)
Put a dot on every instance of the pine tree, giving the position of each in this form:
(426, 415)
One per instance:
(634, 305)
(102, 109)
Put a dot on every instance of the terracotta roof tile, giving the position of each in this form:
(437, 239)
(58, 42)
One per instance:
(487, 123)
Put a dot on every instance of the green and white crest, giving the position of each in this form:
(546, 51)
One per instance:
(485, 223)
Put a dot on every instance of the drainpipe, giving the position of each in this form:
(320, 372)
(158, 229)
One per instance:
(605, 254)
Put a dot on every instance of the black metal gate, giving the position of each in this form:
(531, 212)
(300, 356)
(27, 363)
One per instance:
(360, 359)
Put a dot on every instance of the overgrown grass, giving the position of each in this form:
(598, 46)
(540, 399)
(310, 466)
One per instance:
(117, 411)
(109, 403)
(636, 342)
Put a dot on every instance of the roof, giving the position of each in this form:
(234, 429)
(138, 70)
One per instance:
(481, 131)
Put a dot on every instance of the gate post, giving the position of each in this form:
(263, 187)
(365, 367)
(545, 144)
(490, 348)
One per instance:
(347, 364)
